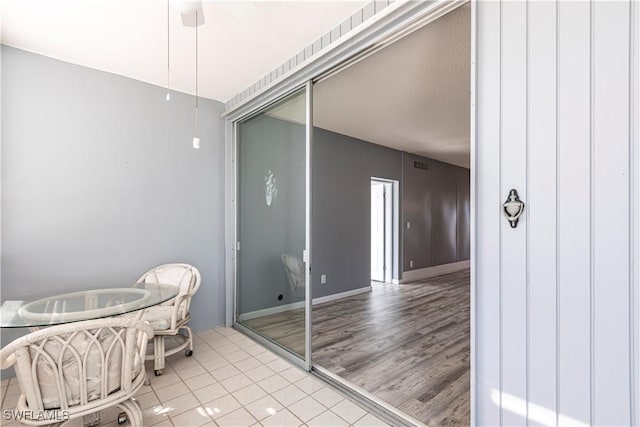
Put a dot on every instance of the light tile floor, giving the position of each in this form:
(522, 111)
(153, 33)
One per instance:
(231, 381)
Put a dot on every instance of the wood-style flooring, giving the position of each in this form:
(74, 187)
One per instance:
(406, 344)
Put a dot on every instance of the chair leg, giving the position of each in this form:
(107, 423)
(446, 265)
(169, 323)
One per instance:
(133, 411)
(189, 350)
(158, 354)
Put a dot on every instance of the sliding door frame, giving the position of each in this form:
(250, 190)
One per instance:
(396, 21)
(308, 262)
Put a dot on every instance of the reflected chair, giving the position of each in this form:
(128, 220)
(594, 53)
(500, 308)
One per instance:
(294, 269)
(77, 369)
(172, 316)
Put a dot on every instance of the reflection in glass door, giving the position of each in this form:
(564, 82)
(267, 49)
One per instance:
(271, 223)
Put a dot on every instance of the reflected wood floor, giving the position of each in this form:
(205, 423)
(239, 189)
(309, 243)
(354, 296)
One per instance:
(406, 344)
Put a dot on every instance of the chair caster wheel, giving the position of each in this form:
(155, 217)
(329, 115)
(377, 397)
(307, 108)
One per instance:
(158, 372)
(188, 353)
(122, 418)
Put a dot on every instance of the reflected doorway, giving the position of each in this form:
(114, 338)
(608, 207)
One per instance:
(381, 230)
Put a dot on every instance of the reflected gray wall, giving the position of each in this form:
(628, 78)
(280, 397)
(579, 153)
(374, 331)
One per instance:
(342, 171)
(268, 232)
(436, 204)
(100, 182)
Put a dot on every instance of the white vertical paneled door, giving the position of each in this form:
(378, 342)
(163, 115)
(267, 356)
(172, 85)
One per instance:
(541, 213)
(513, 160)
(574, 206)
(488, 315)
(610, 36)
(556, 119)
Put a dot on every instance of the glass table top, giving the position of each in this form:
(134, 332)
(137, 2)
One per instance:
(87, 304)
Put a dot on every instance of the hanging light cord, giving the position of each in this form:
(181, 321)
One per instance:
(168, 53)
(197, 133)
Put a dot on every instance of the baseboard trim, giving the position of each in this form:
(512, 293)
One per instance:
(333, 297)
(271, 310)
(425, 273)
(295, 305)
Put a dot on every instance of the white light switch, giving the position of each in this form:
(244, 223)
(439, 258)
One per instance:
(323, 278)
(408, 225)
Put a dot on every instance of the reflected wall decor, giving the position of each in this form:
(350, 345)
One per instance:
(270, 188)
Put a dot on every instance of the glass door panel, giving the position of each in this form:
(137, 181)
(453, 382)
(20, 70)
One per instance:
(271, 221)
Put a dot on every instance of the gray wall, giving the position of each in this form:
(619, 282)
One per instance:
(268, 232)
(436, 204)
(100, 182)
(342, 171)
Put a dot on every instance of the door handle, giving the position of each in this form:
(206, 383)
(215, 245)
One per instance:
(513, 207)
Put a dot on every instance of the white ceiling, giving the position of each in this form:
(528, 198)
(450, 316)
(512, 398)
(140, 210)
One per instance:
(240, 42)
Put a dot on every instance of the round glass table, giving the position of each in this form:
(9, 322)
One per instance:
(43, 310)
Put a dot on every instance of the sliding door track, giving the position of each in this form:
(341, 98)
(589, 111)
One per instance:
(388, 413)
(383, 410)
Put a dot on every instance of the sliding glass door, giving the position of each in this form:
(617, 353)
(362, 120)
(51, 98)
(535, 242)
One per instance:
(272, 232)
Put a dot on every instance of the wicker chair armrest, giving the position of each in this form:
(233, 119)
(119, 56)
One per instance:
(7, 359)
(176, 307)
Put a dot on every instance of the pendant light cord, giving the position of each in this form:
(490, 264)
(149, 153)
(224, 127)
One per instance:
(168, 50)
(197, 132)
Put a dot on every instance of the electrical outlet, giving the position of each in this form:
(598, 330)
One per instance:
(323, 278)
(410, 263)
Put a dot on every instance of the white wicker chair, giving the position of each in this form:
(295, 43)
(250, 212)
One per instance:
(169, 318)
(77, 369)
